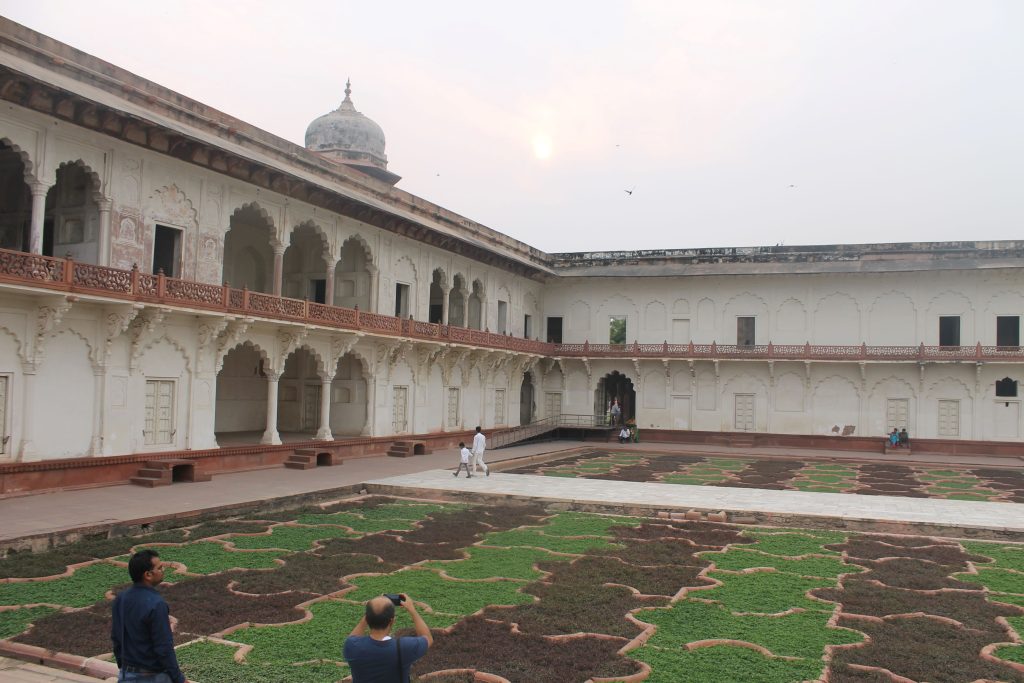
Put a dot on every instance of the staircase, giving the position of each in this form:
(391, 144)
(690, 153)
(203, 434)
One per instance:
(167, 472)
(407, 449)
(309, 458)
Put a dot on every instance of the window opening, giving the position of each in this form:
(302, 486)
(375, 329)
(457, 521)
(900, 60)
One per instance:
(554, 330)
(745, 331)
(401, 301)
(527, 326)
(949, 330)
(167, 251)
(502, 317)
(617, 329)
(1008, 330)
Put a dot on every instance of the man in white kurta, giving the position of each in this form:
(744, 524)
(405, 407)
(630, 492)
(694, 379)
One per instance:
(479, 446)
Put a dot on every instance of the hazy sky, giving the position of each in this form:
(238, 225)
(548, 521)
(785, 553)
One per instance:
(733, 123)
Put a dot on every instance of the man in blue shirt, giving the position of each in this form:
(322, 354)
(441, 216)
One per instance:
(141, 628)
(379, 658)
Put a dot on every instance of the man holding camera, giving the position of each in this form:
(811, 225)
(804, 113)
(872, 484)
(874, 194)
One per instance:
(379, 658)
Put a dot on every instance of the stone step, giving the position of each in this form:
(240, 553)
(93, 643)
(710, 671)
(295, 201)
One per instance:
(162, 472)
(149, 482)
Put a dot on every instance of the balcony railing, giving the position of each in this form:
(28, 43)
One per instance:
(66, 275)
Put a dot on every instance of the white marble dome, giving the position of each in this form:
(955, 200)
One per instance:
(347, 136)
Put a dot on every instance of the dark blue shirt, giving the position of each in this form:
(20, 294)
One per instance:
(376, 661)
(141, 631)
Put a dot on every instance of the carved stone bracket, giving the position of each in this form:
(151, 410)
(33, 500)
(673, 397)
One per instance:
(209, 331)
(693, 368)
(452, 358)
(289, 339)
(589, 370)
(143, 330)
(426, 356)
(771, 373)
(116, 320)
(229, 337)
(636, 369)
(668, 368)
(340, 345)
(48, 317)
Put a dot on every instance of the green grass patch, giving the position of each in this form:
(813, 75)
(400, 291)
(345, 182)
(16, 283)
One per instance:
(826, 478)
(814, 487)
(790, 545)
(582, 524)
(486, 563)
(688, 479)
(357, 523)
(1013, 653)
(996, 580)
(801, 634)
(560, 473)
(737, 559)
(970, 496)
(523, 538)
(293, 538)
(213, 662)
(1004, 555)
(764, 592)
(86, 586)
(15, 621)
(723, 664)
(460, 598)
(210, 557)
(1008, 598)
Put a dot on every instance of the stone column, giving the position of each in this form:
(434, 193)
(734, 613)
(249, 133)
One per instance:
(278, 268)
(444, 306)
(374, 286)
(27, 451)
(324, 433)
(329, 286)
(465, 309)
(270, 435)
(35, 241)
(98, 408)
(371, 406)
(104, 246)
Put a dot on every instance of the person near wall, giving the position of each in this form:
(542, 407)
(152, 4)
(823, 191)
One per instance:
(616, 411)
(479, 446)
(894, 438)
(141, 627)
(464, 458)
(904, 438)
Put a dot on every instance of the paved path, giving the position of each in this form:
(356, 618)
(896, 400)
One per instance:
(16, 671)
(67, 510)
(850, 507)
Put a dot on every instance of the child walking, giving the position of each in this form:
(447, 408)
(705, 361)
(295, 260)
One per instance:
(464, 456)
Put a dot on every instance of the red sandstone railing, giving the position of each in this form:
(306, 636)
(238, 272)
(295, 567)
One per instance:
(66, 275)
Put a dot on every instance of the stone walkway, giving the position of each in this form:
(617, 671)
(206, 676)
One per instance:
(793, 506)
(16, 671)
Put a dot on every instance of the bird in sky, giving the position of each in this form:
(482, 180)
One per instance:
(630, 191)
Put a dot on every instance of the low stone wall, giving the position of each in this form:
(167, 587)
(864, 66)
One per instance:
(76, 473)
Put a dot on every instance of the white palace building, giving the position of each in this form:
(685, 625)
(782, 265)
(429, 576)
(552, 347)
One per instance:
(173, 279)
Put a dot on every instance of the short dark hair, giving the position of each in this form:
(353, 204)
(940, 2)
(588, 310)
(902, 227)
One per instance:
(478, 428)
(462, 444)
(141, 563)
(378, 620)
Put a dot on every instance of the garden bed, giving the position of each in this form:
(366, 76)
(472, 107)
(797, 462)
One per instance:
(528, 595)
(797, 474)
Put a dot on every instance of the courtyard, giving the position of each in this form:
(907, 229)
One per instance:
(522, 588)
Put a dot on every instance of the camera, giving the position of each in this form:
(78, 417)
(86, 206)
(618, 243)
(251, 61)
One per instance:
(395, 598)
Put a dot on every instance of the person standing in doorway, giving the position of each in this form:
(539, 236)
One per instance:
(141, 628)
(616, 412)
(479, 446)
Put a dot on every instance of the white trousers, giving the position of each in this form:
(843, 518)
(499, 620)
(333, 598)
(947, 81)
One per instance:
(478, 460)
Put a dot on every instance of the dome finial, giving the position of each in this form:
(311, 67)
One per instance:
(348, 88)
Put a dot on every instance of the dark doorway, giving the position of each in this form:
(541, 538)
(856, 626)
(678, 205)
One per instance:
(555, 330)
(318, 290)
(1008, 330)
(166, 251)
(526, 400)
(949, 330)
(612, 386)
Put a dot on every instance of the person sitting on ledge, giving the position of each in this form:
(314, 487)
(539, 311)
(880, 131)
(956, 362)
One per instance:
(904, 438)
(894, 438)
(624, 435)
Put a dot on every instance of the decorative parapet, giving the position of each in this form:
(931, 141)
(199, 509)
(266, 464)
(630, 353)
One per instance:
(65, 275)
